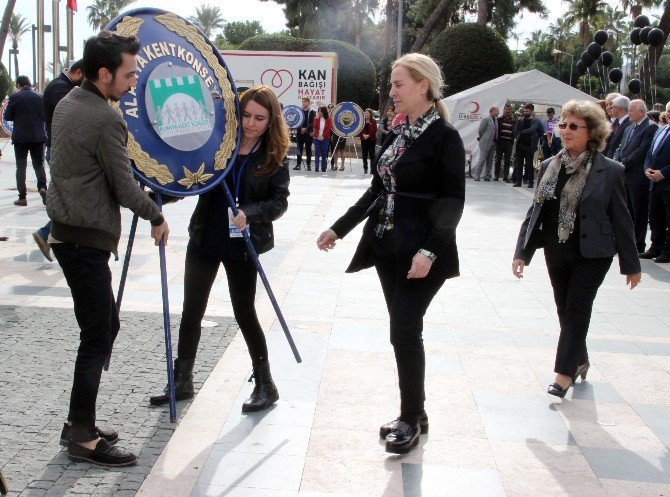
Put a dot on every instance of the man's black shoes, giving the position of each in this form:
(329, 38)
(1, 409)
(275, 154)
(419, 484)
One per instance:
(104, 454)
(66, 435)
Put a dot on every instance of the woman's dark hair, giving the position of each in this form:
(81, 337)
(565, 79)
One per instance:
(105, 50)
(372, 116)
(276, 137)
(324, 111)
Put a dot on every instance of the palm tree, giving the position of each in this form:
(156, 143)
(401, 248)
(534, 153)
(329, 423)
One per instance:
(635, 6)
(586, 14)
(208, 19)
(18, 26)
(102, 12)
(4, 27)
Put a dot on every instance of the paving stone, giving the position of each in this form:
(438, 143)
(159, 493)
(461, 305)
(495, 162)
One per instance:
(38, 393)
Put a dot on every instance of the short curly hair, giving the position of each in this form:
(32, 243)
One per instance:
(596, 120)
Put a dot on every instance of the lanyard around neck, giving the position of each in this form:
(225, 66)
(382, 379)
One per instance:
(237, 179)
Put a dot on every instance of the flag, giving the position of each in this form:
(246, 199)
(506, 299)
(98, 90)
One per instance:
(72, 5)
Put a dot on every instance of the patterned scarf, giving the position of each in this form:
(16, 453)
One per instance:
(578, 169)
(406, 134)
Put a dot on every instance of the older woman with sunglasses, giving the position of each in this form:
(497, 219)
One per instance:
(579, 216)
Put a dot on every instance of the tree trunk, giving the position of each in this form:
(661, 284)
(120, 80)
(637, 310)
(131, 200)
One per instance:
(655, 52)
(482, 12)
(438, 14)
(15, 46)
(389, 31)
(357, 23)
(4, 27)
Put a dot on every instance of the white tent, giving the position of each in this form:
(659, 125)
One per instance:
(469, 107)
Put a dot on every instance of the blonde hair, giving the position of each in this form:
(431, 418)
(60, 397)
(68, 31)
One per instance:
(422, 67)
(598, 125)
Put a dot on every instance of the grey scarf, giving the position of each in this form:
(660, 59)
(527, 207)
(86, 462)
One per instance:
(578, 169)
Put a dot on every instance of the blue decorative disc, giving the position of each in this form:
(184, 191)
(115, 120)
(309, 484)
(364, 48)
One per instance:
(294, 116)
(7, 126)
(183, 115)
(348, 119)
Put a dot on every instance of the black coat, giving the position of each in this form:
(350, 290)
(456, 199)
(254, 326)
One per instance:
(605, 226)
(633, 154)
(265, 200)
(614, 139)
(53, 94)
(25, 109)
(433, 165)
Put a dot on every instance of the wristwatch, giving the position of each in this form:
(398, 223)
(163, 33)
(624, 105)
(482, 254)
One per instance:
(428, 254)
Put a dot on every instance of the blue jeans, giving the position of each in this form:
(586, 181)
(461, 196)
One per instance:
(87, 273)
(321, 153)
(44, 231)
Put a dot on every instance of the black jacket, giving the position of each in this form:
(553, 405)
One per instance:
(265, 200)
(605, 226)
(25, 109)
(433, 165)
(633, 154)
(614, 139)
(53, 94)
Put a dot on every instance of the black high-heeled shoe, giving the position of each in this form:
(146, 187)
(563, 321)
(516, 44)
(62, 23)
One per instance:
(559, 391)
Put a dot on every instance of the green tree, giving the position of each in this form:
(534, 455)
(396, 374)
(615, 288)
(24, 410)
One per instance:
(237, 31)
(102, 12)
(6, 85)
(585, 14)
(4, 26)
(471, 54)
(208, 18)
(18, 26)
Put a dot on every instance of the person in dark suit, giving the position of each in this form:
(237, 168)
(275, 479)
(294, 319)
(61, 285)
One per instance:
(413, 207)
(304, 135)
(620, 121)
(25, 109)
(631, 153)
(53, 93)
(528, 131)
(579, 216)
(657, 169)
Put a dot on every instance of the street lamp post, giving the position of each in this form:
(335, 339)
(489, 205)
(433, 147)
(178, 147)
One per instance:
(572, 62)
(399, 42)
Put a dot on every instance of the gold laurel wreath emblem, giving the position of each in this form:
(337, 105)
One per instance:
(198, 177)
(149, 166)
(190, 33)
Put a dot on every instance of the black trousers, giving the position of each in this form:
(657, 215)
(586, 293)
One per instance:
(503, 156)
(304, 141)
(368, 151)
(637, 199)
(199, 277)
(90, 280)
(36, 151)
(575, 281)
(659, 221)
(523, 165)
(407, 302)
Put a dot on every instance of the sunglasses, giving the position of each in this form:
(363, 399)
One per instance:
(572, 126)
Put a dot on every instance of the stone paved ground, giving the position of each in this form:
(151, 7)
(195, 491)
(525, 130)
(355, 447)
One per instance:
(37, 351)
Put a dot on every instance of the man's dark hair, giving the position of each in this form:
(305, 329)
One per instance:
(529, 106)
(105, 50)
(551, 110)
(23, 81)
(77, 66)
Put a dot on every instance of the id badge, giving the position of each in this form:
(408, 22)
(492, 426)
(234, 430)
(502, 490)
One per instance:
(233, 231)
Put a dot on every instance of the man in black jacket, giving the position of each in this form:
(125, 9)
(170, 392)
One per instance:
(53, 94)
(631, 153)
(619, 112)
(24, 108)
(304, 136)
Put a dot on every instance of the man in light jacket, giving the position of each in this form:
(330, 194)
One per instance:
(487, 138)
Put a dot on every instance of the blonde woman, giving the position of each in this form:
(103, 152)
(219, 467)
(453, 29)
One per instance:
(412, 207)
(579, 216)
